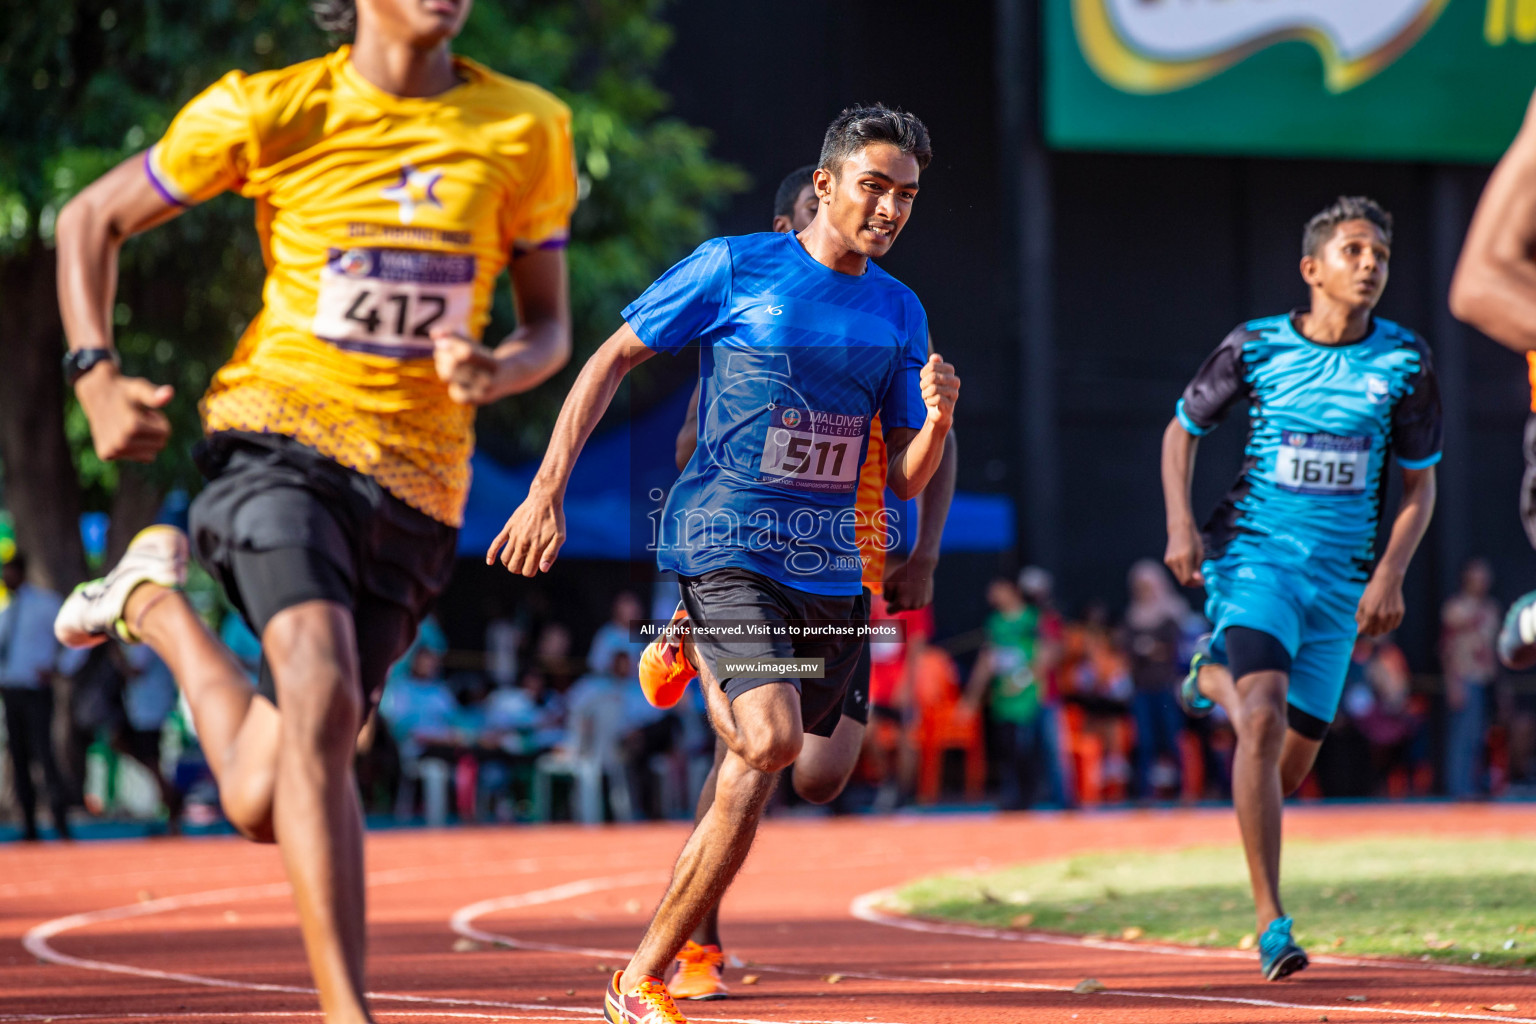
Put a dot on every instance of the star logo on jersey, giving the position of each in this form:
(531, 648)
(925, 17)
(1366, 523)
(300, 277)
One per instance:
(415, 188)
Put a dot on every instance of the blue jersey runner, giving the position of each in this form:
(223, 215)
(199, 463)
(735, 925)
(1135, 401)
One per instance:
(1322, 423)
(796, 359)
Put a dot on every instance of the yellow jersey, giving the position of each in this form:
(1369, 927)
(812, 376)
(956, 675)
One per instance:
(1530, 363)
(869, 526)
(381, 217)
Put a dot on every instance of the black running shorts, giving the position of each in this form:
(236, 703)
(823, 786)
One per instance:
(728, 596)
(279, 524)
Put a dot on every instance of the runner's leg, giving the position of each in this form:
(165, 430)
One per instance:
(763, 731)
(826, 762)
(312, 649)
(708, 931)
(1256, 705)
(238, 730)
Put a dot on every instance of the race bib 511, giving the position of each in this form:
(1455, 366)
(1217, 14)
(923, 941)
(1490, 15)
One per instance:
(1322, 463)
(386, 302)
(817, 451)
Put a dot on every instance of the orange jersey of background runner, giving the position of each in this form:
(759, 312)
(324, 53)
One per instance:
(869, 528)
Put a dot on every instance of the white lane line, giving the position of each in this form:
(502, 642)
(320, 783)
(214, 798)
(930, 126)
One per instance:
(37, 942)
(871, 907)
(868, 908)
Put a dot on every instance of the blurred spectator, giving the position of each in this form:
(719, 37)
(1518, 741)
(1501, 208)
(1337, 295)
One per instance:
(528, 718)
(1005, 674)
(1150, 638)
(1096, 691)
(503, 638)
(596, 725)
(1037, 585)
(552, 656)
(1469, 629)
(28, 657)
(421, 713)
(149, 697)
(419, 707)
(1378, 701)
(892, 678)
(614, 635)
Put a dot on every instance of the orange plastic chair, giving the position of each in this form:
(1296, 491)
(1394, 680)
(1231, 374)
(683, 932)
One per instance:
(944, 724)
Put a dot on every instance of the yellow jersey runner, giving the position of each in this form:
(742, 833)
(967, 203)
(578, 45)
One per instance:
(381, 217)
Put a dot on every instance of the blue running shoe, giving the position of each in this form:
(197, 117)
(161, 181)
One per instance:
(1194, 703)
(1279, 956)
(1517, 640)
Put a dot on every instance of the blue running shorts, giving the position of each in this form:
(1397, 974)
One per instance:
(1311, 614)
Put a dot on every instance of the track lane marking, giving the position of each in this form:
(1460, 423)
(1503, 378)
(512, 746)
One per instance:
(37, 941)
(867, 907)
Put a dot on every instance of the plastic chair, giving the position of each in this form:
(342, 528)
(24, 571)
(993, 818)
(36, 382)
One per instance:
(944, 724)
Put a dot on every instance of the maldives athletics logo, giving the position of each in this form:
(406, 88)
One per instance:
(1157, 46)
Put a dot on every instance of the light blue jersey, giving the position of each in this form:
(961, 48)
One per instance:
(796, 359)
(1291, 547)
(1323, 422)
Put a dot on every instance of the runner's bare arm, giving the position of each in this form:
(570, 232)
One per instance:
(530, 355)
(531, 540)
(908, 583)
(1185, 550)
(1494, 287)
(915, 454)
(1381, 606)
(124, 412)
(688, 436)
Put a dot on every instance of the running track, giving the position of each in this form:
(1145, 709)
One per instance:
(202, 929)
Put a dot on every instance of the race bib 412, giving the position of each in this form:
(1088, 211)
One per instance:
(386, 302)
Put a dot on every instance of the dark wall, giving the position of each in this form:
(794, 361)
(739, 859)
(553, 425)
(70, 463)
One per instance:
(1155, 259)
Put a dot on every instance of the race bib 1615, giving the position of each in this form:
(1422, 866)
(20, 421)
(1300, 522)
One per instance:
(1322, 463)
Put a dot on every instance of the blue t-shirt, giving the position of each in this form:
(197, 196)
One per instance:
(1323, 420)
(795, 359)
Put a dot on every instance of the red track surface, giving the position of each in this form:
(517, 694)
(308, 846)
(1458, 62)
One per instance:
(203, 929)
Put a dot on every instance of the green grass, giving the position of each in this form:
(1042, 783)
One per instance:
(1458, 901)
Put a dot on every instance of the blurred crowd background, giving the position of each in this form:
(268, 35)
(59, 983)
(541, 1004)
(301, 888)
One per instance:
(1035, 706)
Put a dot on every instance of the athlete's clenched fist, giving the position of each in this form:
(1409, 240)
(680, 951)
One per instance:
(469, 369)
(940, 389)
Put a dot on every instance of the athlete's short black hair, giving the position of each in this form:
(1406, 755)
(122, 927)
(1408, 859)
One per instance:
(1323, 224)
(338, 16)
(789, 190)
(857, 127)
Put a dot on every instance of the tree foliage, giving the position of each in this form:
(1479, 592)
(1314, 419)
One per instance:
(87, 83)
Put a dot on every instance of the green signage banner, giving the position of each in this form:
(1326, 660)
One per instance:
(1375, 79)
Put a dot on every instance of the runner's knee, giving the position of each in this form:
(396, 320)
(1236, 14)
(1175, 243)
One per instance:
(250, 813)
(768, 731)
(770, 749)
(1261, 716)
(314, 666)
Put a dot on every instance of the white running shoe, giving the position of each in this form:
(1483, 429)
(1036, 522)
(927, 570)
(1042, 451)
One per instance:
(94, 611)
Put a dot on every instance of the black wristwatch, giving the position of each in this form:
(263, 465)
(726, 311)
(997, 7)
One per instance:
(76, 363)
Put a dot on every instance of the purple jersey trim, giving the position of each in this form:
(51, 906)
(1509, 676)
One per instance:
(522, 249)
(165, 193)
(389, 351)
